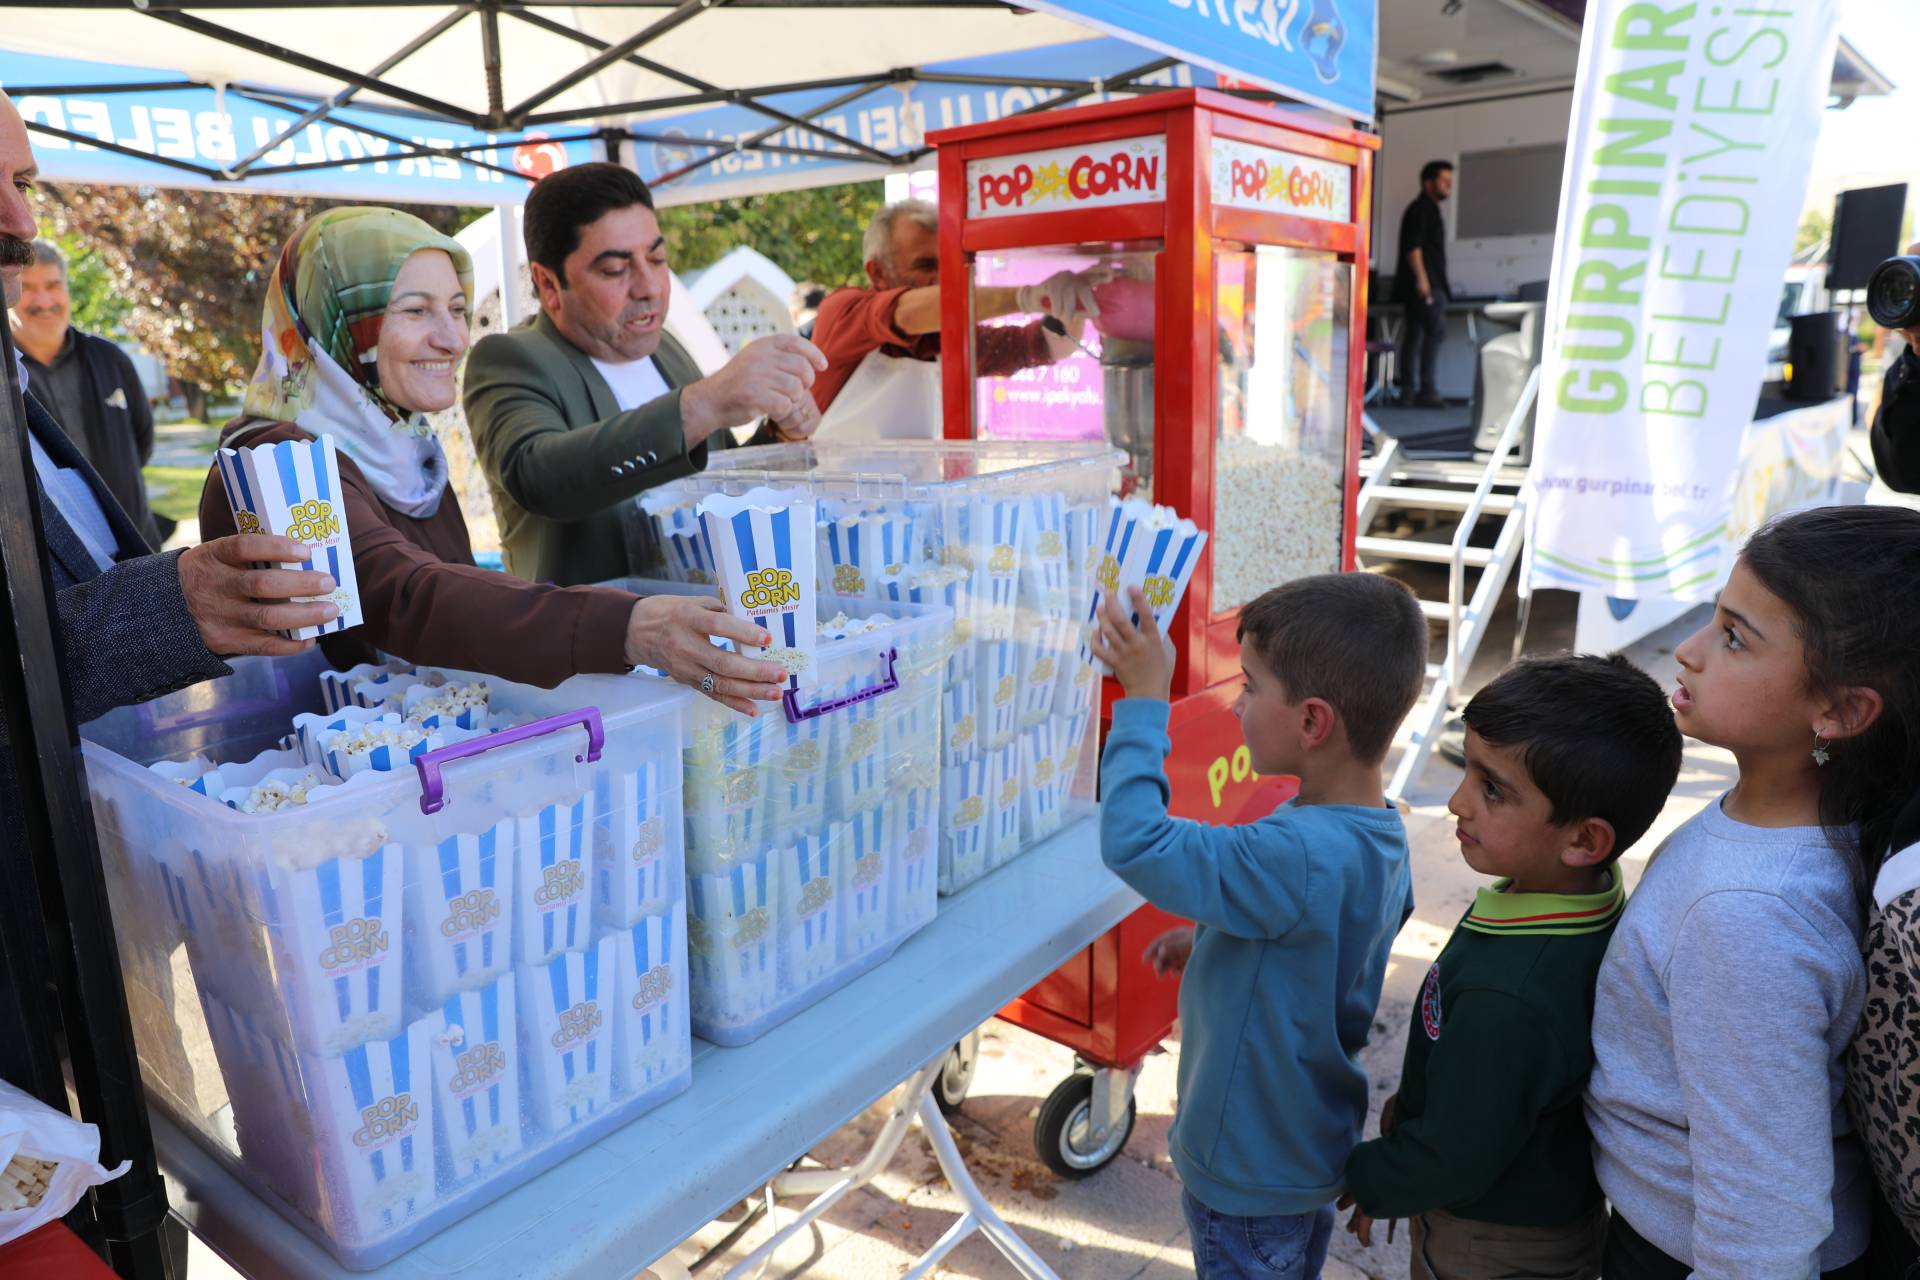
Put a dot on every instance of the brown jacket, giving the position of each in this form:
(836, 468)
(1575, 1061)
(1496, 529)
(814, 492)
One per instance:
(424, 600)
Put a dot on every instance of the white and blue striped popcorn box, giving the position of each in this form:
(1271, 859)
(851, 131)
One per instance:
(807, 921)
(552, 895)
(636, 833)
(1005, 789)
(476, 1077)
(959, 723)
(994, 535)
(1071, 733)
(309, 726)
(347, 752)
(1152, 548)
(1110, 545)
(913, 825)
(460, 896)
(687, 557)
(1077, 684)
(928, 583)
(909, 727)
(763, 555)
(1040, 796)
(732, 953)
(292, 489)
(866, 879)
(336, 687)
(651, 1041)
(963, 823)
(271, 1117)
(1044, 643)
(863, 548)
(199, 775)
(856, 773)
(730, 814)
(428, 705)
(1043, 556)
(566, 1034)
(382, 689)
(373, 1110)
(726, 739)
(997, 685)
(1084, 524)
(799, 795)
(338, 935)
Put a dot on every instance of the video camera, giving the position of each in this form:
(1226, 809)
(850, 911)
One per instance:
(1893, 294)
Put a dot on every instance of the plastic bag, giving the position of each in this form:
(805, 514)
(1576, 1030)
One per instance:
(51, 1160)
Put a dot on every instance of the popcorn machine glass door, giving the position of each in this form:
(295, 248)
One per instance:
(1072, 373)
(1280, 415)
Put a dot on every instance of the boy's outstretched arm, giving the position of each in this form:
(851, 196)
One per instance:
(1220, 876)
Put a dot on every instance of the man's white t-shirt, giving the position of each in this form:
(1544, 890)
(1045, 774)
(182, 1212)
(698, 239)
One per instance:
(634, 382)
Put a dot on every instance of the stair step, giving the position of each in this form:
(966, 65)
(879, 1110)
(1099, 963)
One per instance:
(1425, 552)
(1400, 495)
(1441, 612)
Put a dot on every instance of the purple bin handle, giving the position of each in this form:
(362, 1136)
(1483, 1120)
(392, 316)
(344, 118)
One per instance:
(795, 714)
(432, 793)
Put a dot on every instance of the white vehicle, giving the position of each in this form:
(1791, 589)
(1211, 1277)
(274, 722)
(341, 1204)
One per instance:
(1802, 293)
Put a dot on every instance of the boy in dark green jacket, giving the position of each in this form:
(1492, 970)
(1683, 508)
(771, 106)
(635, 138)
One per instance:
(1485, 1147)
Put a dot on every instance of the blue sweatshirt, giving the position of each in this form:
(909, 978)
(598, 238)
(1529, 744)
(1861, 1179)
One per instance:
(1295, 915)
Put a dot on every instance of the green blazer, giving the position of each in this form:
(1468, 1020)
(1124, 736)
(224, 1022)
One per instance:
(562, 460)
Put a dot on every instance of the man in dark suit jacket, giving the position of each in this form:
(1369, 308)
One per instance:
(88, 384)
(592, 403)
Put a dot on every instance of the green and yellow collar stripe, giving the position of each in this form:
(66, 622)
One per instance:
(1499, 912)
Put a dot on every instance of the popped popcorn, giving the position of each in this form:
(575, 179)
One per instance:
(274, 794)
(451, 699)
(1276, 517)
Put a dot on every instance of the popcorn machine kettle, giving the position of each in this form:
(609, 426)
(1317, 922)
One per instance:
(1223, 245)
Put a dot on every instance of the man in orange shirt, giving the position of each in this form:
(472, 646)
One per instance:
(882, 343)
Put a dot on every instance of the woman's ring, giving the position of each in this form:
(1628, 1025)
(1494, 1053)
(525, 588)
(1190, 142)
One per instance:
(706, 683)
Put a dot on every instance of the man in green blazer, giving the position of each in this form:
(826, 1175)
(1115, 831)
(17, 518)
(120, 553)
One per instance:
(591, 404)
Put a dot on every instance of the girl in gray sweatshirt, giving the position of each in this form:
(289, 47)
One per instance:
(1734, 981)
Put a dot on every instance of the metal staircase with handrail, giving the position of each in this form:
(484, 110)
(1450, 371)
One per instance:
(1463, 491)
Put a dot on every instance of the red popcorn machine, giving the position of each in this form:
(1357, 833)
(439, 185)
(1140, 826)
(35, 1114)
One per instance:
(1211, 327)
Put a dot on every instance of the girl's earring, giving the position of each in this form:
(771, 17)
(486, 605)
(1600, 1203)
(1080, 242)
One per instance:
(1820, 753)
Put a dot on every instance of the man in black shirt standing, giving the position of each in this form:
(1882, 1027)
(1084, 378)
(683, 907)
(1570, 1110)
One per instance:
(1420, 285)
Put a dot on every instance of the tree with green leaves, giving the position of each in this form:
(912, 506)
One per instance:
(811, 235)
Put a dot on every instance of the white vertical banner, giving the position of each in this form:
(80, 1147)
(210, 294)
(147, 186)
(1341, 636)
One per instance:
(1692, 135)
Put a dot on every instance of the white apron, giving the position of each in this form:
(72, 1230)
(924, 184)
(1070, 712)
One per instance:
(887, 398)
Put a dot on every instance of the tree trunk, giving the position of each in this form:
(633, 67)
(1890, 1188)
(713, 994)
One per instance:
(196, 396)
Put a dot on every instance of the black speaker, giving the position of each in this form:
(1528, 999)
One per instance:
(1866, 232)
(1816, 357)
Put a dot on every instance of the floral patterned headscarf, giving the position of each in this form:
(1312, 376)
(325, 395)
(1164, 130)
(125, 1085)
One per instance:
(320, 338)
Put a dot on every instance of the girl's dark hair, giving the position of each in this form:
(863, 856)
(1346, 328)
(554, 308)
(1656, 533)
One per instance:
(1851, 575)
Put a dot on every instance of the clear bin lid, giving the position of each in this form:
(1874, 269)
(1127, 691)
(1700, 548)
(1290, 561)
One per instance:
(921, 468)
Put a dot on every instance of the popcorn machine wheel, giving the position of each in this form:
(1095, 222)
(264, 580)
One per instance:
(1223, 246)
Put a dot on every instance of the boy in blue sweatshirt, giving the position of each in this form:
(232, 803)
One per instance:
(1294, 914)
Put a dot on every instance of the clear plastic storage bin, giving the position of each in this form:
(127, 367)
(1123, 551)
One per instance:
(813, 827)
(1003, 534)
(389, 1004)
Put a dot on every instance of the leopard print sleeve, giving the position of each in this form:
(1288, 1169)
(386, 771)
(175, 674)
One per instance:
(1883, 1068)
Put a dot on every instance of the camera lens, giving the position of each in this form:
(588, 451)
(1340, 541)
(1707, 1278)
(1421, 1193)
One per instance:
(1893, 293)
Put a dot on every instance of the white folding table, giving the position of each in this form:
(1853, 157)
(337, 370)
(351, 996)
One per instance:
(630, 1198)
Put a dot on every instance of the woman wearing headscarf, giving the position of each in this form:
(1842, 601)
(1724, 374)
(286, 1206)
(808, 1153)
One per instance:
(364, 326)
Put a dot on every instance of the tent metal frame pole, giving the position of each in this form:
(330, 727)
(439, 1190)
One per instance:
(55, 813)
(156, 8)
(491, 62)
(87, 140)
(347, 93)
(409, 149)
(755, 141)
(641, 105)
(280, 53)
(738, 97)
(1119, 83)
(685, 12)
